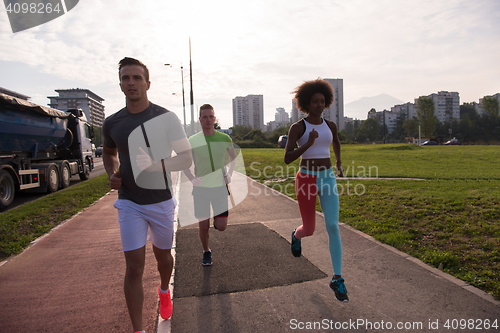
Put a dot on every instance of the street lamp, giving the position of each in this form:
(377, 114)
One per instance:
(384, 125)
(183, 101)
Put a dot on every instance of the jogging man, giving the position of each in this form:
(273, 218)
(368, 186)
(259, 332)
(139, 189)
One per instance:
(138, 142)
(210, 181)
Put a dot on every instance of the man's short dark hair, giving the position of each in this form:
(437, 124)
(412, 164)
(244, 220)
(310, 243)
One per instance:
(131, 61)
(206, 107)
(306, 90)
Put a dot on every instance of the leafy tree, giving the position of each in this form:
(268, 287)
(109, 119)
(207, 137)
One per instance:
(360, 136)
(385, 132)
(255, 135)
(466, 128)
(239, 131)
(357, 123)
(274, 136)
(411, 127)
(490, 105)
(349, 127)
(399, 131)
(443, 129)
(468, 109)
(488, 127)
(343, 136)
(425, 115)
(372, 129)
(98, 139)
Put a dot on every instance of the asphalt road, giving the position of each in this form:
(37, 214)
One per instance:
(23, 197)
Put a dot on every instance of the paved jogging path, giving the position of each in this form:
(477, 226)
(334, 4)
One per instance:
(71, 281)
(387, 288)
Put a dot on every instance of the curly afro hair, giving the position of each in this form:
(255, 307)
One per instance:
(306, 90)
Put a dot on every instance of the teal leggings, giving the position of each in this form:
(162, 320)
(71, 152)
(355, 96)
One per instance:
(309, 184)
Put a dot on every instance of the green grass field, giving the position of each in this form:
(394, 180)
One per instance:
(450, 219)
(24, 224)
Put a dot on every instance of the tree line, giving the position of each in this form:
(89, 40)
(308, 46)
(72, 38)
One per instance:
(471, 129)
(247, 137)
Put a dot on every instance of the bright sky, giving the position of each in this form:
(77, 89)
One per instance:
(404, 48)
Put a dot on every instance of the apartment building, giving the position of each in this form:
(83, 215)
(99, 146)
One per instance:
(335, 112)
(387, 118)
(84, 99)
(446, 108)
(446, 105)
(249, 111)
(407, 109)
(281, 116)
(296, 114)
(479, 108)
(281, 119)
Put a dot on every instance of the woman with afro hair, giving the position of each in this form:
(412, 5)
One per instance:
(313, 136)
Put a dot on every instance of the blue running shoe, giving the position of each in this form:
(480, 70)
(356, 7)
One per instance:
(339, 289)
(207, 258)
(296, 247)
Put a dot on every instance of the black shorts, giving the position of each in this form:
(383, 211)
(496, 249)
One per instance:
(204, 197)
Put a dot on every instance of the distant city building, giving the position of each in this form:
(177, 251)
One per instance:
(14, 94)
(296, 114)
(479, 108)
(249, 111)
(281, 119)
(281, 116)
(275, 124)
(446, 105)
(407, 109)
(335, 112)
(271, 126)
(348, 120)
(84, 99)
(387, 118)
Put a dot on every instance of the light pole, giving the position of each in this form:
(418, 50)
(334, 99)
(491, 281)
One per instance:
(191, 81)
(183, 101)
(384, 125)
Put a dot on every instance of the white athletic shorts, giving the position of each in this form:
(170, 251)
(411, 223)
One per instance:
(140, 223)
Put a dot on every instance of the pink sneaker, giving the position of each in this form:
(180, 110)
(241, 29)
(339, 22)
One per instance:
(165, 305)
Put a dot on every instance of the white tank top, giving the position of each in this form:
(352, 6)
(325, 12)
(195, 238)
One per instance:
(321, 146)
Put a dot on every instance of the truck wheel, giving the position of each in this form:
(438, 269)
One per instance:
(52, 179)
(7, 189)
(65, 175)
(86, 171)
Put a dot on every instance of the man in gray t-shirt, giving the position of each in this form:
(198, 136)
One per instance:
(138, 143)
(151, 130)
